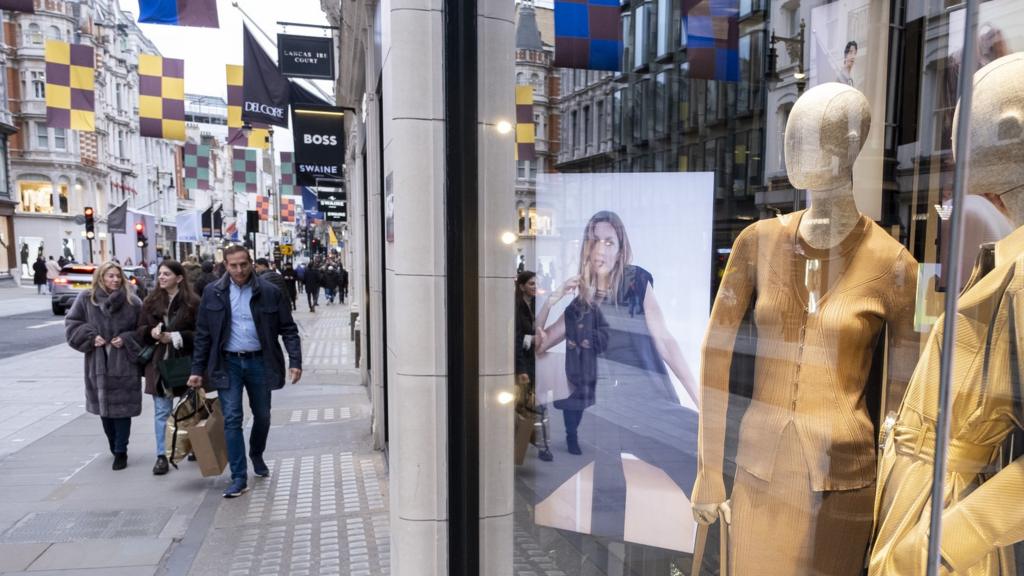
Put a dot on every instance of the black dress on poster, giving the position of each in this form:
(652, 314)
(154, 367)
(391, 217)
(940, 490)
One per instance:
(265, 92)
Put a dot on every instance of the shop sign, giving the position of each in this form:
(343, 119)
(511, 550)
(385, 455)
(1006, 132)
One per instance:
(319, 137)
(305, 56)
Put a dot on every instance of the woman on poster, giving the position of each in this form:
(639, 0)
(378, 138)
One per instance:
(618, 355)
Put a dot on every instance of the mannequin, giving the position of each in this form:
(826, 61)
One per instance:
(825, 285)
(982, 478)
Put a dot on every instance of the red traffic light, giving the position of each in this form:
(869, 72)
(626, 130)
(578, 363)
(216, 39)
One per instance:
(138, 227)
(89, 212)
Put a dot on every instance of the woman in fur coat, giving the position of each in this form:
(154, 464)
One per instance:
(102, 324)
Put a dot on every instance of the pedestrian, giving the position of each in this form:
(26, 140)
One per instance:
(300, 277)
(205, 279)
(242, 319)
(192, 269)
(52, 271)
(329, 280)
(263, 270)
(523, 351)
(168, 322)
(39, 274)
(313, 286)
(343, 282)
(289, 282)
(102, 324)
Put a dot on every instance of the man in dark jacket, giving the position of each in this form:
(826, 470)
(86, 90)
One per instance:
(263, 270)
(313, 286)
(343, 283)
(206, 277)
(241, 319)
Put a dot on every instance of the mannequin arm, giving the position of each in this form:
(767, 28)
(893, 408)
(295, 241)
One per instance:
(667, 346)
(731, 303)
(904, 341)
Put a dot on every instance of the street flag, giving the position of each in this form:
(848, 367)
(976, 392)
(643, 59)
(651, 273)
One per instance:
(197, 166)
(117, 219)
(259, 133)
(161, 97)
(199, 13)
(287, 209)
(287, 174)
(18, 6)
(713, 39)
(263, 206)
(588, 34)
(265, 91)
(245, 169)
(332, 239)
(70, 87)
(525, 128)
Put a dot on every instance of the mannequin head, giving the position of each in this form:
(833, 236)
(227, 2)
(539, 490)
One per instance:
(997, 135)
(826, 130)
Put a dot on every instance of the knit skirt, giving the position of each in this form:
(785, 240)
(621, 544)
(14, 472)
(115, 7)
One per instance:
(784, 528)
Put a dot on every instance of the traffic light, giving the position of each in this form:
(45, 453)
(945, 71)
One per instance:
(315, 245)
(90, 223)
(140, 235)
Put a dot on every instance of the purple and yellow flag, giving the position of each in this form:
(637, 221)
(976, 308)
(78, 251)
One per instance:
(588, 34)
(200, 13)
(263, 206)
(259, 134)
(287, 209)
(713, 39)
(161, 97)
(526, 130)
(18, 6)
(70, 86)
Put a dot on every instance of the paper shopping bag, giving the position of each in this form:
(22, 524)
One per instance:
(208, 444)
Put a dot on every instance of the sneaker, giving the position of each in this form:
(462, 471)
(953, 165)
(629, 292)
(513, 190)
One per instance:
(120, 461)
(160, 468)
(237, 488)
(259, 467)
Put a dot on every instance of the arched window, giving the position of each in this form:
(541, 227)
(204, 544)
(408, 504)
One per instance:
(34, 36)
(520, 77)
(53, 33)
(538, 86)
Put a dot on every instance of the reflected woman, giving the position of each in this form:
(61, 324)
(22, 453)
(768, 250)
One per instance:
(618, 356)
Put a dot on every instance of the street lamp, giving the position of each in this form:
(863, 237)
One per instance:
(795, 48)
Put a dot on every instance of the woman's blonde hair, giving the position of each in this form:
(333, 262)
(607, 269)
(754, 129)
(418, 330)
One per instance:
(588, 277)
(97, 278)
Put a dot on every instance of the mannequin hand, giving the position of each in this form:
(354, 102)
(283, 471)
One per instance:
(708, 514)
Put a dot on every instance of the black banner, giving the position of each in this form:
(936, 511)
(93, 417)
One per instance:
(265, 92)
(18, 6)
(207, 222)
(319, 134)
(333, 204)
(335, 214)
(305, 56)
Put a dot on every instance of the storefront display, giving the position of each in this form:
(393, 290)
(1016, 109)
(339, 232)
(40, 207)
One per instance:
(980, 523)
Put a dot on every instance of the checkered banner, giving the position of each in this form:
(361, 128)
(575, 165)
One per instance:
(161, 97)
(245, 169)
(197, 166)
(70, 86)
(526, 130)
(588, 34)
(287, 209)
(263, 206)
(288, 174)
(713, 39)
(259, 133)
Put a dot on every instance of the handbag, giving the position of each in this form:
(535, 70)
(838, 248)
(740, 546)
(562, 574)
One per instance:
(145, 355)
(175, 372)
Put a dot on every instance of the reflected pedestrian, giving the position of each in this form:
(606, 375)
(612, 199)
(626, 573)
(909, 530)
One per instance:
(102, 324)
(52, 271)
(39, 274)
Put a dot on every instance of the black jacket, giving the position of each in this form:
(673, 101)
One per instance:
(275, 278)
(39, 272)
(312, 279)
(272, 312)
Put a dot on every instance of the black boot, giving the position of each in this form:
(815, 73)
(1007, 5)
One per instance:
(120, 461)
(160, 468)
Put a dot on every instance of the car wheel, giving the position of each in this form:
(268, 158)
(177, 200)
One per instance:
(58, 309)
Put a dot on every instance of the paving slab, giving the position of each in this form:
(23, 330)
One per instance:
(124, 571)
(102, 554)
(18, 557)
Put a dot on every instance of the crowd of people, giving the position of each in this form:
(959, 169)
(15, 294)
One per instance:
(218, 326)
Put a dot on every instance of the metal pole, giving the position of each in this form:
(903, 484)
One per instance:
(960, 170)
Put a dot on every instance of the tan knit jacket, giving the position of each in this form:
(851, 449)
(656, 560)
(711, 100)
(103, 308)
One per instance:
(811, 369)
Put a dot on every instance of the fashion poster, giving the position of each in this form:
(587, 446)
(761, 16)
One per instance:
(848, 44)
(618, 359)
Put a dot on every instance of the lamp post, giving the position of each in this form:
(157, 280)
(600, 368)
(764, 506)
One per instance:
(795, 48)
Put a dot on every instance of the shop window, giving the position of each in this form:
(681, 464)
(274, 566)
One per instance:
(36, 197)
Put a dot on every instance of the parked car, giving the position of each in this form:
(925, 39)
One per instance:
(73, 280)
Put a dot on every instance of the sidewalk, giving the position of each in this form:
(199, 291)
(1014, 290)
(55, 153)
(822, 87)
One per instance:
(21, 299)
(322, 511)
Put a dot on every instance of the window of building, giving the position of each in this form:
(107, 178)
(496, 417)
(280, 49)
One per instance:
(34, 36)
(664, 27)
(661, 104)
(627, 39)
(680, 20)
(600, 123)
(38, 80)
(64, 197)
(522, 169)
(587, 128)
(53, 33)
(641, 22)
(42, 136)
(711, 96)
(617, 113)
(574, 130)
(60, 139)
(36, 196)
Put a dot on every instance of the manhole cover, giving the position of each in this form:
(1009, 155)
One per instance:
(72, 526)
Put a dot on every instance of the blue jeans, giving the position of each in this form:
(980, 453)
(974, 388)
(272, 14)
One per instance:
(161, 412)
(245, 373)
